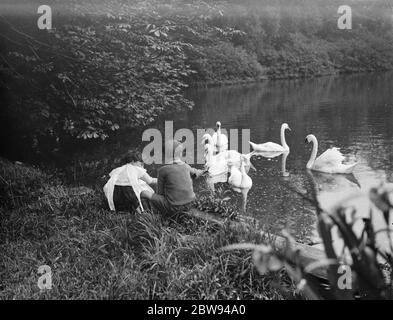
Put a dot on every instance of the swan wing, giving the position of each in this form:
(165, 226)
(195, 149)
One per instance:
(214, 136)
(235, 179)
(331, 157)
(218, 164)
(267, 147)
(220, 142)
(223, 139)
(217, 168)
(246, 182)
(269, 155)
(207, 137)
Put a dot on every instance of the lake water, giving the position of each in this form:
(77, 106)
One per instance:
(352, 112)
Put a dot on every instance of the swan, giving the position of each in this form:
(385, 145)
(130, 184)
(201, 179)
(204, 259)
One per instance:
(235, 177)
(239, 180)
(329, 162)
(271, 146)
(220, 140)
(218, 163)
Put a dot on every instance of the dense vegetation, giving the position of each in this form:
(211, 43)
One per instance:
(96, 254)
(115, 65)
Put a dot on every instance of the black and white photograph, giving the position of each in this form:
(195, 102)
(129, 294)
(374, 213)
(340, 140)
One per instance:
(206, 153)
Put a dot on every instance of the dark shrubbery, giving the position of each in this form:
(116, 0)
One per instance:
(223, 62)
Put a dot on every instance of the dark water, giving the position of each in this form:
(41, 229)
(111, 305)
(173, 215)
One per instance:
(354, 113)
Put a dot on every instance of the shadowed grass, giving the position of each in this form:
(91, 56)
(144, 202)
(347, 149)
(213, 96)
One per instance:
(97, 254)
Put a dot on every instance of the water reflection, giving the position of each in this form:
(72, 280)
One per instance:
(343, 190)
(338, 183)
(354, 113)
(284, 171)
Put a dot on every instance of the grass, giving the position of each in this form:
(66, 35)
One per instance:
(96, 254)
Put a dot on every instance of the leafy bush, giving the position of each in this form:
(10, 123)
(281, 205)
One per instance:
(224, 61)
(20, 184)
(98, 76)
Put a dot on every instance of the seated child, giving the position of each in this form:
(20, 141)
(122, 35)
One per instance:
(175, 190)
(126, 183)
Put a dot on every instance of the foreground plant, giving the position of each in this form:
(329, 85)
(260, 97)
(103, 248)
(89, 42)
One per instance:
(357, 265)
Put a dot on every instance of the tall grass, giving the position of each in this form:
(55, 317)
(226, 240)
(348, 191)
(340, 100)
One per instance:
(97, 254)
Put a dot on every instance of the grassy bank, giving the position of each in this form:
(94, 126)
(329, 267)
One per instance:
(95, 254)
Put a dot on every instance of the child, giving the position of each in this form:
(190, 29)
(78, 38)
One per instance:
(126, 184)
(175, 190)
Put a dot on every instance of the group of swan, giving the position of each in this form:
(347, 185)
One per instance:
(331, 161)
(219, 160)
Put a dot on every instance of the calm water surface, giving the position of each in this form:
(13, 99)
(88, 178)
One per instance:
(354, 113)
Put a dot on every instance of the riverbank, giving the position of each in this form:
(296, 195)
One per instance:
(211, 84)
(86, 79)
(96, 254)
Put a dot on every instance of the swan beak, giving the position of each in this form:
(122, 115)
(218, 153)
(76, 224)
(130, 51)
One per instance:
(305, 140)
(289, 129)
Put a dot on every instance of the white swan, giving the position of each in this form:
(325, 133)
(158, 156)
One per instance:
(329, 162)
(220, 140)
(218, 163)
(271, 146)
(239, 180)
(235, 177)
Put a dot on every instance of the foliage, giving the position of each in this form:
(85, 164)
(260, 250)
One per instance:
(302, 39)
(111, 66)
(216, 203)
(98, 76)
(224, 61)
(97, 254)
(369, 266)
(20, 184)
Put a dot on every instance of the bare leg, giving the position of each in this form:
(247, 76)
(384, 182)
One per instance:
(146, 194)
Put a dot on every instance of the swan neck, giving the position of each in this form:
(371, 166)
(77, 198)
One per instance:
(313, 153)
(242, 168)
(283, 141)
